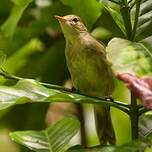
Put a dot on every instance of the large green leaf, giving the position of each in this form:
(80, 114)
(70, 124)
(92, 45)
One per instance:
(132, 57)
(145, 20)
(30, 91)
(122, 19)
(89, 10)
(9, 26)
(52, 139)
(127, 56)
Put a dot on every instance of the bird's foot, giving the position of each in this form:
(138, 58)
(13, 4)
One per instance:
(109, 98)
(74, 90)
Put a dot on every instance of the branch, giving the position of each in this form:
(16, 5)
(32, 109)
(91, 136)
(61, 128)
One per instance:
(117, 104)
(134, 117)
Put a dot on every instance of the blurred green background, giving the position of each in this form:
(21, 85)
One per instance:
(32, 40)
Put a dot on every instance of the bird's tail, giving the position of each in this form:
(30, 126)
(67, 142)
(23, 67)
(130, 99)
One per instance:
(104, 127)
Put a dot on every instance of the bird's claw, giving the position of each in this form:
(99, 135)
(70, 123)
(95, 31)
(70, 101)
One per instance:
(109, 98)
(74, 90)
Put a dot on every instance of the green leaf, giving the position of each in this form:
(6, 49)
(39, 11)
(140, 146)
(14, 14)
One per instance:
(31, 91)
(145, 20)
(21, 55)
(92, 149)
(2, 58)
(127, 56)
(136, 146)
(28, 90)
(114, 10)
(145, 124)
(21, 2)
(52, 139)
(10, 24)
(147, 43)
(46, 62)
(88, 10)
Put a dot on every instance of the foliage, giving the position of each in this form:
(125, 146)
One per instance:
(138, 145)
(52, 139)
(134, 57)
(28, 91)
(31, 39)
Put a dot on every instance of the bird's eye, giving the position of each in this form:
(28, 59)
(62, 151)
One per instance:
(75, 20)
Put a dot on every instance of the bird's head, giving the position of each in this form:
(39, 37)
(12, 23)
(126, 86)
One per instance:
(71, 25)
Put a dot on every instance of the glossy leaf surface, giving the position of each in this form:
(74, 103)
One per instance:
(130, 57)
(52, 139)
(30, 91)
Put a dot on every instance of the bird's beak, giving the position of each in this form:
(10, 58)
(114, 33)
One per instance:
(60, 18)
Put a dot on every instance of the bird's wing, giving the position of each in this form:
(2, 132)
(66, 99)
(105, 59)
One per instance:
(97, 49)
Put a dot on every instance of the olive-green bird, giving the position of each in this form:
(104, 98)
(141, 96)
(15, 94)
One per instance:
(90, 70)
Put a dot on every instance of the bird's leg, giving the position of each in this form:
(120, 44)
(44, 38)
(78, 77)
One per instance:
(74, 90)
(81, 117)
(108, 99)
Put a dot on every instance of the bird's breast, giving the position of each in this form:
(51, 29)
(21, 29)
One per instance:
(90, 75)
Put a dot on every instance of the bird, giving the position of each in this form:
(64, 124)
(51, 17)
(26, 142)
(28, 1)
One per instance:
(90, 71)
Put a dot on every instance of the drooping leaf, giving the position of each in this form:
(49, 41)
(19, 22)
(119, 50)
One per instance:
(30, 91)
(144, 20)
(52, 139)
(9, 25)
(88, 10)
(131, 57)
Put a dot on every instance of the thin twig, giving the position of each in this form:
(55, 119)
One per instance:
(8, 75)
